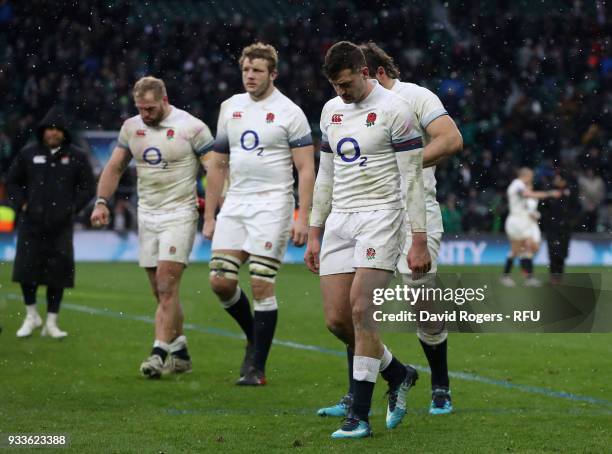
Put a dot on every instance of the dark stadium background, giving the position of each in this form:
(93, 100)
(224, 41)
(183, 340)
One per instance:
(528, 83)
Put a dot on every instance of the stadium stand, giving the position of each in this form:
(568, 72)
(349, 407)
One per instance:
(528, 84)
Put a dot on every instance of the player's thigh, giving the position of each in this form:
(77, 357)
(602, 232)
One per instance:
(433, 246)
(517, 228)
(148, 241)
(230, 229)
(176, 239)
(379, 237)
(268, 229)
(337, 247)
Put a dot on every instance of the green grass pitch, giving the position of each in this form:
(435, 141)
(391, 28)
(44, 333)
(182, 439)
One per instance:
(517, 393)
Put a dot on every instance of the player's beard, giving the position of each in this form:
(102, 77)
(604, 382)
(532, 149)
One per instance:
(156, 120)
(262, 89)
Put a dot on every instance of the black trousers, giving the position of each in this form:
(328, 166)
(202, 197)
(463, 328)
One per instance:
(558, 248)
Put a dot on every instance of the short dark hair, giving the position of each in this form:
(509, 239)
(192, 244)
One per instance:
(376, 57)
(343, 55)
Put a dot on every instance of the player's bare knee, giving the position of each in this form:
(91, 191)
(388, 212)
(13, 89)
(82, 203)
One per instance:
(360, 309)
(341, 327)
(261, 289)
(223, 276)
(223, 288)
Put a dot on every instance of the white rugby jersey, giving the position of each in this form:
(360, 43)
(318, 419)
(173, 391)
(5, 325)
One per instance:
(532, 206)
(427, 107)
(517, 202)
(259, 136)
(166, 158)
(364, 138)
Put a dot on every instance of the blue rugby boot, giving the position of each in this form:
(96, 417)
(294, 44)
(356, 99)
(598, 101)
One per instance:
(396, 410)
(353, 428)
(441, 403)
(340, 410)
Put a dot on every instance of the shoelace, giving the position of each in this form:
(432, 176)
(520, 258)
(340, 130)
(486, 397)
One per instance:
(392, 396)
(346, 401)
(350, 424)
(440, 397)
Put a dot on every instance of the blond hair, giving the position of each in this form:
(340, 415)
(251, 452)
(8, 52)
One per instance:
(260, 50)
(149, 83)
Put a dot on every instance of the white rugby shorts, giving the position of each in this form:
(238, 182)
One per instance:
(259, 229)
(166, 236)
(522, 228)
(363, 239)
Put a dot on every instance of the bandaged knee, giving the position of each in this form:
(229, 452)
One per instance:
(224, 266)
(432, 339)
(265, 305)
(264, 269)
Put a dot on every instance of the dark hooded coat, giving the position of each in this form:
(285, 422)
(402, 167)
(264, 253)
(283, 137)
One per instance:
(48, 190)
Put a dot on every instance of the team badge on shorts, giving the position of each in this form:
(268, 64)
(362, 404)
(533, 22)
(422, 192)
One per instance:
(269, 117)
(370, 253)
(170, 134)
(172, 250)
(371, 119)
(268, 245)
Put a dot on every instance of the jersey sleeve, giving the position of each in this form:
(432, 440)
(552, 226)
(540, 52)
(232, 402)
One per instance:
(124, 140)
(221, 143)
(202, 140)
(298, 130)
(404, 136)
(428, 107)
(325, 148)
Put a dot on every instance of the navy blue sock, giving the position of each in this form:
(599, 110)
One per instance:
(362, 399)
(527, 265)
(438, 363)
(241, 312)
(265, 325)
(395, 373)
(508, 265)
(159, 352)
(350, 355)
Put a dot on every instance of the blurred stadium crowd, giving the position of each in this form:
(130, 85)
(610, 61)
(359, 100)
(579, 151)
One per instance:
(528, 83)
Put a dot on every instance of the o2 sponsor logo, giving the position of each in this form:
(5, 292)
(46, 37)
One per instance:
(357, 152)
(153, 157)
(249, 141)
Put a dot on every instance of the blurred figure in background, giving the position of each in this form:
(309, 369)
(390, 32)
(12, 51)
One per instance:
(558, 221)
(48, 183)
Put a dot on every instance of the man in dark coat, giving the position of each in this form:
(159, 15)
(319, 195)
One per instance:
(48, 182)
(558, 222)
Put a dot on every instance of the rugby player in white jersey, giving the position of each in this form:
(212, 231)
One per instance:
(368, 143)
(441, 139)
(522, 226)
(260, 134)
(168, 145)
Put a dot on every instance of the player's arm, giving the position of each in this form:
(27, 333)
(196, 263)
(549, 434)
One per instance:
(540, 195)
(321, 206)
(109, 180)
(408, 147)
(303, 159)
(217, 166)
(445, 141)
